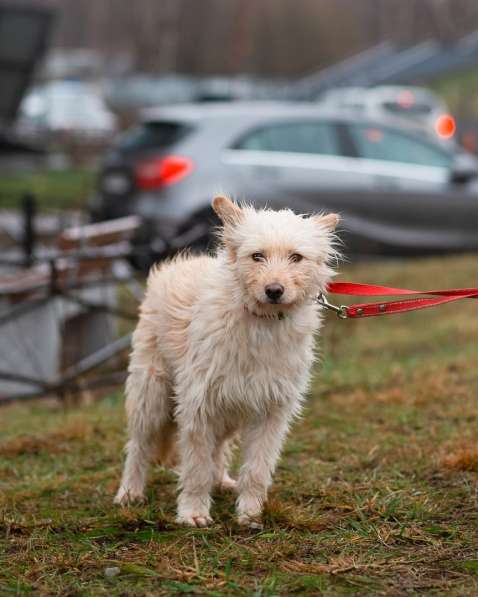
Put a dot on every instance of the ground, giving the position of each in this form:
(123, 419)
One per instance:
(376, 493)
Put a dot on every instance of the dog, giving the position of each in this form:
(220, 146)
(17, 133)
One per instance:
(223, 350)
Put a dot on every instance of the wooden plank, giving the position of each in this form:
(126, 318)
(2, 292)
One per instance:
(97, 235)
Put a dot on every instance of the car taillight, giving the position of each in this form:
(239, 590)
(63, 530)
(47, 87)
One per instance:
(445, 126)
(158, 172)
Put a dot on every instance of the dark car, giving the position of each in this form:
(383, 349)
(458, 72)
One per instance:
(398, 192)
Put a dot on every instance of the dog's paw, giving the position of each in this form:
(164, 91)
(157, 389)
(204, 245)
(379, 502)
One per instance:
(249, 510)
(194, 520)
(251, 522)
(126, 497)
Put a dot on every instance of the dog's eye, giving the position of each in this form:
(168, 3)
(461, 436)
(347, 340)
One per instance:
(258, 257)
(295, 257)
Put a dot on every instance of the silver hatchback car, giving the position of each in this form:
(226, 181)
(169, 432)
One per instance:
(398, 192)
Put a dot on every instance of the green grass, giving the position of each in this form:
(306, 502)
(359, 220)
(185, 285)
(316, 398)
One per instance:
(460, 91)
(60, 190)
(376, 492)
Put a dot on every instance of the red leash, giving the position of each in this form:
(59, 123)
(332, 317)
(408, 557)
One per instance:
(428, 298)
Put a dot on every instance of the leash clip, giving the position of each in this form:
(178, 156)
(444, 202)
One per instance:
(341, 311)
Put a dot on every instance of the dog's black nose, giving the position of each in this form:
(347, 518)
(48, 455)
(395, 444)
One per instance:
(274, 291)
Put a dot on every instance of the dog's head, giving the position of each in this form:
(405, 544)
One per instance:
(280, 259)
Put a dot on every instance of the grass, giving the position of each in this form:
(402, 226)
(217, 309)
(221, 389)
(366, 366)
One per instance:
(53, 189)
(376, 492)
(460, 91)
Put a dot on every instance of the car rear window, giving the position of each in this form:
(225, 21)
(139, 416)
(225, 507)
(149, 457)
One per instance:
(152, 135)
(415, 109)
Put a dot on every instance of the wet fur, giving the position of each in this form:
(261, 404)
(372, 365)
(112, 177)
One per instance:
(213, 360)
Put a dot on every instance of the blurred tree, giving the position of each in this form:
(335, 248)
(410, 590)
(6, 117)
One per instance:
(267, 37)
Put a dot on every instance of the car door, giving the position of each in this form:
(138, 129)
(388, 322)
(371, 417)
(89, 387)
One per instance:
(293, 161)
(397, 160)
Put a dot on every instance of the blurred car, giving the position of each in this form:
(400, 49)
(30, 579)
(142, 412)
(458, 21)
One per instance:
(418, 105)
(396, 190)
(69, 107)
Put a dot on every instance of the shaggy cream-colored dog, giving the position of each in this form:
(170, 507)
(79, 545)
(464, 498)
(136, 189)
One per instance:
(223, 348)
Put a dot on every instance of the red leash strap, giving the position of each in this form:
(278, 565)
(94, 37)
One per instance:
(428, 298)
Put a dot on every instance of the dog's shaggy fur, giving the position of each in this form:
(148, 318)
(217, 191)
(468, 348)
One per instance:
(223, 348)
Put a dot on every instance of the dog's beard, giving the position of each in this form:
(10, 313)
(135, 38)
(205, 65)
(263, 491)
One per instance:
(262, 306)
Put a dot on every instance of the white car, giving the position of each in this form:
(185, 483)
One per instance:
(396, 189)
(419, 106)
(66, 106)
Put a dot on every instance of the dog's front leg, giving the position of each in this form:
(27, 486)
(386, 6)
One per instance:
(261, 447)
(196, 444)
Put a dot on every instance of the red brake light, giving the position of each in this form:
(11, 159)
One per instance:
(158, 172)
(445, 126)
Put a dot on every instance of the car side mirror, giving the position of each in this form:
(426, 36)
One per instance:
(464, 169)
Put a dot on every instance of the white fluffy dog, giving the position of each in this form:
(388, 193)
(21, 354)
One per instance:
(223, 348)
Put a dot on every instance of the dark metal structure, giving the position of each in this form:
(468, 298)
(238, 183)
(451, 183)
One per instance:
(24, 34)
(388, 63)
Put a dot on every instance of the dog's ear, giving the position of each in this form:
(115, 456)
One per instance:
(229, 212)
(329, 221)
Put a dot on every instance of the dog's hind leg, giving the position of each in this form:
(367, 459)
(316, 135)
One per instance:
(222, 460)
(166, 452)
(148, 408)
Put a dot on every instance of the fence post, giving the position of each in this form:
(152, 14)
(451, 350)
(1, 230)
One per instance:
(29, 213)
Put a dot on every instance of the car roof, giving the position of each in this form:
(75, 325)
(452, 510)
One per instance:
(383, 90)
(215, 110)
(382, 93)
(255, 112)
